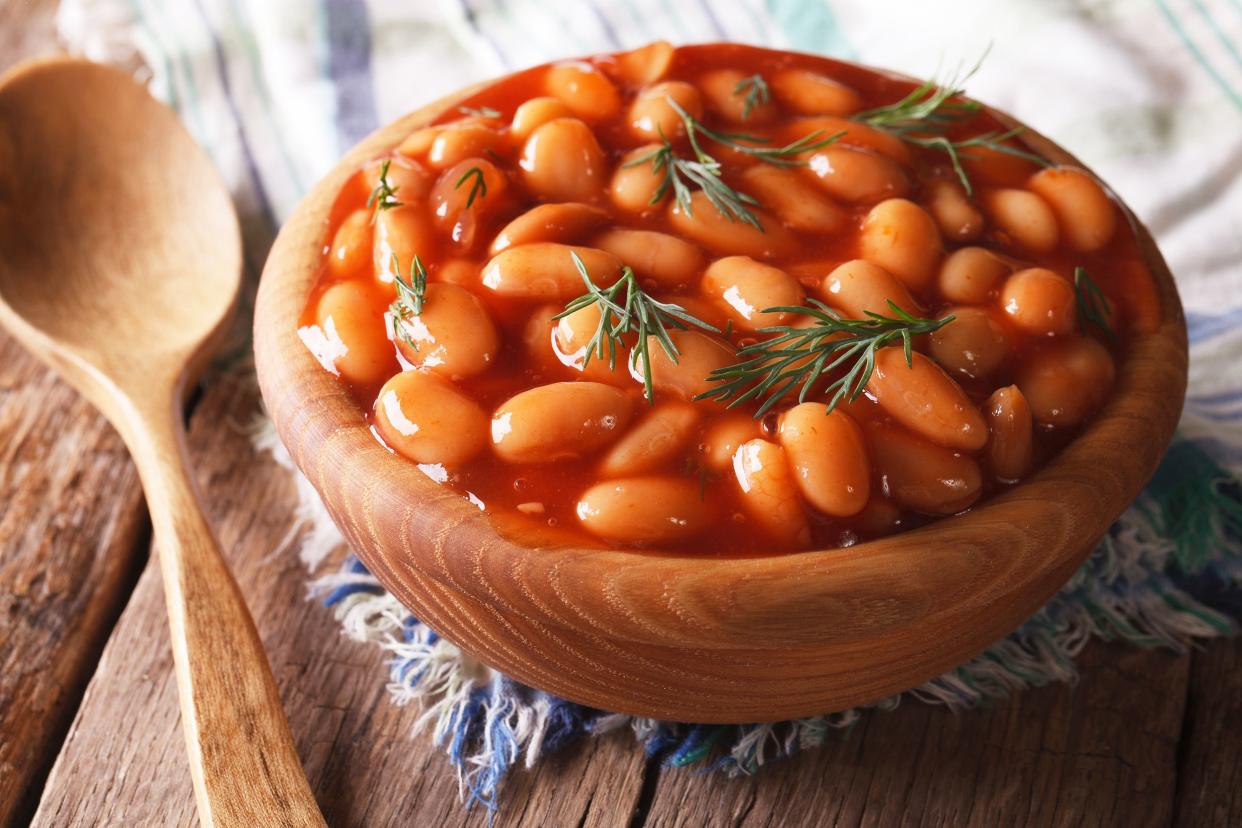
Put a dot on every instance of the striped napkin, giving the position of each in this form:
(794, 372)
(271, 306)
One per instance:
(1146, 92)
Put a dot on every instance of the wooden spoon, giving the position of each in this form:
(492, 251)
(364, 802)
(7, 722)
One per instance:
(119, 266)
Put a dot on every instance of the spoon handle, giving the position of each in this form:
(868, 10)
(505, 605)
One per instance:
(243, 761)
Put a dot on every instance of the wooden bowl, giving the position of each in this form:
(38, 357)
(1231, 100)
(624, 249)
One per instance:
(679, 636)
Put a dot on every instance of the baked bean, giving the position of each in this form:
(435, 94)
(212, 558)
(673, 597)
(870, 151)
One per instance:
(559, 421)
(973, 344)
(924, 399)
(794, 200)
(646, 64)
(1066, 380)
(1024, 217)
(423, 417)
(355, 342)
(546, 270)
(697, 356)
(706, 225)
(723, 436)
(401, 233)
(562, 161)
(656, 257)
(857, 175)
(584, 89)
(970, 275)
(702, 308)
(853, 134)
(549, 223)
(535, 113)
(537, 340)
(350, 252)
(1039, 301)
(902, 238)
(645, 510)
(1010, 452)
(652, 117)
(879, 517)
(769, 492)
(828, 458)
(635, 182)
(720, 92)
(463, 272)
(1085, 214)
(747, 287)
(458, 216)
(811, 93)
(858, 286)
(409, 180)
(958, 218)
(456, 142)
(990, 167)
(453, 336)
(923, 476)
(571, 339)
(418, 143)
(656, 439)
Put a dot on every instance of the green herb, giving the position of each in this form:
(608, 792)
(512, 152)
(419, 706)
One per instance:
(625, 308)
(682, 175)
(477, 190)
(769, 369)
(384, 196)
(1093, 307)
(922, 116)
(756, 92)
(479, 112)
(411, 296)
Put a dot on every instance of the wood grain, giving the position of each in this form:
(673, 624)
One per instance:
(123, 762)
(1209, 785)
(144, 287)
(678, 636)
(1095, 753)
(71, 528)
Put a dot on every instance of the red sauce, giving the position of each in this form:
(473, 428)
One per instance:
(1115, 266)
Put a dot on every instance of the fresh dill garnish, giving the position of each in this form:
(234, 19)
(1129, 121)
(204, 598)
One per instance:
(479, 111)
(1093, 307)
(411, 296)
(768, 369)
(384, 195)
(477, 190)
(756, 92)
(923, 115)
(681, 175)
(625, 308)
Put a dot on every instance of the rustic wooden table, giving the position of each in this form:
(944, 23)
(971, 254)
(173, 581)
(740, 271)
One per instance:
(88, 712)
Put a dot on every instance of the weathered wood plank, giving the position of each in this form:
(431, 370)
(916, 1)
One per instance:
(1100, 753)
(1209, 791)
(71, 522)
(123, 761)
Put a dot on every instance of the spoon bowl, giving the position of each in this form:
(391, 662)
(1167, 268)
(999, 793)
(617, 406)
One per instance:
(91, 257)
(120, 265)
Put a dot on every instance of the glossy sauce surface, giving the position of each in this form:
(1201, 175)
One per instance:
(490, 395)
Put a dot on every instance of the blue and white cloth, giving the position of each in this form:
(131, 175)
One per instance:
(1147, 92)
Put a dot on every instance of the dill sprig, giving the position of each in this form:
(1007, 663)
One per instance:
(1093, 307)
(682, 175)
(756, 92)
(794, 356)
(625, 308)
(478, 189)
(479, 111)
(384, 195)
(923, 115)
(411, 296)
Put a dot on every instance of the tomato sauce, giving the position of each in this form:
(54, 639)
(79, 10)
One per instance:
(545, 499)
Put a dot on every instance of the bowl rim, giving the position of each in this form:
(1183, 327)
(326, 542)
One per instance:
(1078, 492)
